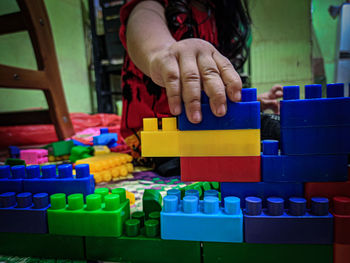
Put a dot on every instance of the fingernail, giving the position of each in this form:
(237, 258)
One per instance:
(196, 116)
(177, 110)
(237, 96)
(221, 110)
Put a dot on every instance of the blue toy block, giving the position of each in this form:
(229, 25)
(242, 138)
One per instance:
(14, 152)
(301, 168)
(23, 213)
(105, 138)
(8, 182)
(314, 111)
(65, 182)
(275, 225)
(239, 115)
(261, 189)
(201, 220)
(315, 140)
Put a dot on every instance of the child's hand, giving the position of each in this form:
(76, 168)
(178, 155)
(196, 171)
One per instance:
(269, 100)
(187, 66)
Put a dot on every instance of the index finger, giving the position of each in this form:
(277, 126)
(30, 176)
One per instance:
(229, 76)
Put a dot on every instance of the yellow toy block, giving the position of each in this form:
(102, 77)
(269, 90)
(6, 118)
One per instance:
(110, 166)
(101, 149)
(171, 142)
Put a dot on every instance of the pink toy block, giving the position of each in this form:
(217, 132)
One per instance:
(34, 156)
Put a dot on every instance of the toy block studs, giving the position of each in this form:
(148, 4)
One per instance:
(313, 91)
(169, 124)
(150, 124)
(335, 90)
(291, 93)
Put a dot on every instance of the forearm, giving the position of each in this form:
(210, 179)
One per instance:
(147, 33)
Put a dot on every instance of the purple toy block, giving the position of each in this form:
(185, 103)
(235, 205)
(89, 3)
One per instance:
(65, 182)
(9, 183)
(297, 225)
(23, 213)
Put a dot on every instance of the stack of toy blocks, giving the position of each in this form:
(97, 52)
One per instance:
(223, 149)
(29, 179)
(141, 240)
(34, 156)
(107, 167)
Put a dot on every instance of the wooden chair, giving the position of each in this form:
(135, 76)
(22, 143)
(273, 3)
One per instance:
(33, 18)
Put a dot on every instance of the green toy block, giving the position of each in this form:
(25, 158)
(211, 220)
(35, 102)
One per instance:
(151, 201)
(95, 218)
(266, 253)
(13, 162)
(42, 245)
(142, 249)
(62, 147)
(80, 152)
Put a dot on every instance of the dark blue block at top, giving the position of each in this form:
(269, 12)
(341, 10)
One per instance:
(304, 168)
(23, 213)
(315, 112)
(239, 115)
(261, 189)
(315, 140)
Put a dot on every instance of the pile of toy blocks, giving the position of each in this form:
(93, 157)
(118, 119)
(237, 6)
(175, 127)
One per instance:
(294, 200)
(111, 166)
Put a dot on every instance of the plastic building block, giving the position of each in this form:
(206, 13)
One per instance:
(65, 182)
(98, 217)
(266, 253)
(101, 149)
(341, 253)
(220, 169)
(131, 197)
(106, 138)
(109, 166)
(8, 182)
(301, 168)
(23, 213)
(314, 111)
(34, 156)
(142, 249)
(62, 147)
(239, 115)
(196, 220)
(262, 190)
(80, 152)
(275, 225)
(315, 140)
(171, 142)
(13, 162)
(201, 187)
(341, 213)
(41, 245)
(14, 152)
(151, 201)
(329, 189)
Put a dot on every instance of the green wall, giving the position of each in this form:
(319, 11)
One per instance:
(281, 47)
(325, 29)
(16, 50)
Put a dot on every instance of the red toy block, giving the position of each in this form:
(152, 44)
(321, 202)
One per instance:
(341, 213)
(220, 169)
(341, 253)
(329, 189)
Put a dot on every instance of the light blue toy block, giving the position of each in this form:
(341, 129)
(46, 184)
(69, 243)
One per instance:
(195, 220)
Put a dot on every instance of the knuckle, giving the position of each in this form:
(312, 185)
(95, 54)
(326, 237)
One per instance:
(171, 76)
(209, 72)
(190, 76)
